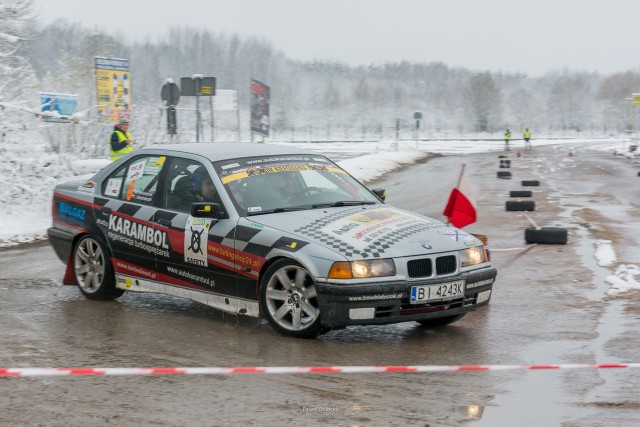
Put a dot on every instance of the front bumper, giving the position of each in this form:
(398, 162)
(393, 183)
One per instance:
(384, 303)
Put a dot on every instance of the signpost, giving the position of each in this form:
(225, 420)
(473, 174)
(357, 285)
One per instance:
(417, 116)
(227, 100)
(170, 94)
(260, 100)
(635, 99)
(197, 85)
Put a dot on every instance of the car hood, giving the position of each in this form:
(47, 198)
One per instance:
(364, 232)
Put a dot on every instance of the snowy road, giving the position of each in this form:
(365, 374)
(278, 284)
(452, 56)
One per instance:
(549, 306)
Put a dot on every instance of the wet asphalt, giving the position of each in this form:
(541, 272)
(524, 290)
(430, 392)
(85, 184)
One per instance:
(548, 306)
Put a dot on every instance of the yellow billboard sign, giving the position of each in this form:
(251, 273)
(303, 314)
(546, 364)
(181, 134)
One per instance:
(113, 88)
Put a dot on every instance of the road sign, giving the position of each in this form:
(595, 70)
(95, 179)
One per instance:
(205, 86)
(417, 115)
(170, 93)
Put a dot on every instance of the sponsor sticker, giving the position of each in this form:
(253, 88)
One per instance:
(362, 229)
(196, 239)
(113, 187)
(232, 165)
(72, 214)
(136, 170)
(137, 235)
(375, 297)
(459, 236)
(88, 187)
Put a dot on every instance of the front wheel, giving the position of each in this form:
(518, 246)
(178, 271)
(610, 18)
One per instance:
(441, 321)
(288, 300)
(93, 270)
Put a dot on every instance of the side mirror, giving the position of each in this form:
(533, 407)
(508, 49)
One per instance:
(206, 210)
(380, 192)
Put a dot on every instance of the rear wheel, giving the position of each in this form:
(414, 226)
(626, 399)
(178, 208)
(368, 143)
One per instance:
(288, 300)
(441, 321)
(93, 270)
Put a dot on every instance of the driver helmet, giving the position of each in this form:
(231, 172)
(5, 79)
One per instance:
(196, 178)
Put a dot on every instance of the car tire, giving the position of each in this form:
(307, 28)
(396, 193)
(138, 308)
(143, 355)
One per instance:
(504, 174)
(546, 235)
(531, 183)
(93, 270)
(440, 321)
(288, 300)
(520, 193)
(525, 205)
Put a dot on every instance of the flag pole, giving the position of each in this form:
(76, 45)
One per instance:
(458, 185)
(461, 173)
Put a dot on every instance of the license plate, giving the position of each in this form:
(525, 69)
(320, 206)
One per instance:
(442, 292)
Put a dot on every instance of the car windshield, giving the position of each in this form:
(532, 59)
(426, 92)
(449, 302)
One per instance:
(261, 185)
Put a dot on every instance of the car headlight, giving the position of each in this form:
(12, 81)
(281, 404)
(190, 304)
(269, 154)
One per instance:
(362, 269)
(473, 256)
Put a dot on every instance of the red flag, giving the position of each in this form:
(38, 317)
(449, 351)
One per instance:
(461, 207)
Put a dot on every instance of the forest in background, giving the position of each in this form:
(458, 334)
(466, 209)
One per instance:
(309, 100)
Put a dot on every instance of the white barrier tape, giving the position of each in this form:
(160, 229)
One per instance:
(44, 372)
(531, 221)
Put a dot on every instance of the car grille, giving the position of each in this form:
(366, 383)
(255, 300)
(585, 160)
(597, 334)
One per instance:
(445, 265)
(423, 267)
(406, 309)
(419, 268)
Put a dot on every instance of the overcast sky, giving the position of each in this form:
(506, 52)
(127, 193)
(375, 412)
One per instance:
(530, 36)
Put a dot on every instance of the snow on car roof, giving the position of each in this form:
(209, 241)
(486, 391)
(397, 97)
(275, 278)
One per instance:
(215, 151)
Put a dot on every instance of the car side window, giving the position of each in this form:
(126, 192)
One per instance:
(140, 179)
(112, 186)
(188, 181)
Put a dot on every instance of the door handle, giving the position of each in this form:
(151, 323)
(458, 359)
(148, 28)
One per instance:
(105, 210)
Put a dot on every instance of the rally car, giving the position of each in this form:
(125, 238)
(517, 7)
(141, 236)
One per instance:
(264, 230)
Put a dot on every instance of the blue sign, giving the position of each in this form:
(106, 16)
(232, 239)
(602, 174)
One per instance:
(58, 107)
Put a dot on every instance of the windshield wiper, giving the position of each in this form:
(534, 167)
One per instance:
(276, 210)
(341, 203)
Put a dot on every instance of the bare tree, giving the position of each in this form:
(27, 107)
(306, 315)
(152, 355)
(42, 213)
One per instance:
(482, 99)
(17, 79)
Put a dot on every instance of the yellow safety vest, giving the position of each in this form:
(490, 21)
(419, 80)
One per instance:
(122, 136)
(527, 134)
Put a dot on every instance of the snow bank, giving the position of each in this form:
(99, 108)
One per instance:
(623, 280)
(604, 253)
(371, 166)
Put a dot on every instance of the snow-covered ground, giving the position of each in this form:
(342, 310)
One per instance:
(30, 173)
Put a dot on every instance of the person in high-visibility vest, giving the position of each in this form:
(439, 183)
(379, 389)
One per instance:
(121, 142)
(527, 137)
(507, 138)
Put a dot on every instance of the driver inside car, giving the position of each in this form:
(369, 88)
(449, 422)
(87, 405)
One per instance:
(203, 186)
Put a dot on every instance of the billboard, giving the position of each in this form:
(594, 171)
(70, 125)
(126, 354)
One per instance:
(113, 88)
(58, 107)
(226, 100)
(260, 98)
